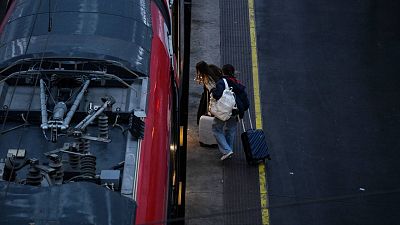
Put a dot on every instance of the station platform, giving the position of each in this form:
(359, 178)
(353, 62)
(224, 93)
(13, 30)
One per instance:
(220, 192)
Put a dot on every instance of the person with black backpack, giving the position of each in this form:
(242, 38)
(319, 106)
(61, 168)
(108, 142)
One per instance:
(225, 131)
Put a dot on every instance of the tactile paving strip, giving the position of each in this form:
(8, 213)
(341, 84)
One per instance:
(241, 181)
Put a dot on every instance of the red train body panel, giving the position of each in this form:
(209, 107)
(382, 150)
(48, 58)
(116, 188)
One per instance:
(154, 158)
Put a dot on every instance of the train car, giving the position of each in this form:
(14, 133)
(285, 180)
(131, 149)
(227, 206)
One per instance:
(91, 126)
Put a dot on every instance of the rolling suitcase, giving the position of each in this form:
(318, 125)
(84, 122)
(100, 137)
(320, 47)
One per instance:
(206, 136)
(254, 144)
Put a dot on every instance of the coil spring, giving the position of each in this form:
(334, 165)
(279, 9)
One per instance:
(59, 173)
(88, 165)
(74, 160)
(103, 125)
(33, 177)
(84, 145)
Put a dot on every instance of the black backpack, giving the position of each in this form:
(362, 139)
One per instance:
(242, 101)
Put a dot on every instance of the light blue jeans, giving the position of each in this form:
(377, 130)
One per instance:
(224, 132)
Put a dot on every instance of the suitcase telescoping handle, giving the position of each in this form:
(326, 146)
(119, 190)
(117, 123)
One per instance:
(242, 121)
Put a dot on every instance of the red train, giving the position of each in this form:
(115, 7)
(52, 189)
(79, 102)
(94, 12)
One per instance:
(94, 111)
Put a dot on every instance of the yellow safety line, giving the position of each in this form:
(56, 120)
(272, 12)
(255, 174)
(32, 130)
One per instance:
(257, 105)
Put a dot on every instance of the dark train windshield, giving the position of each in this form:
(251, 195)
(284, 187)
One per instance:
(118, 30)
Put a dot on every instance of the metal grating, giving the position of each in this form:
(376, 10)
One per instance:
(241, 181)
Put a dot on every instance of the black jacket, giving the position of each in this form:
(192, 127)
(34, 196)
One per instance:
(242, 101)
(203, 105)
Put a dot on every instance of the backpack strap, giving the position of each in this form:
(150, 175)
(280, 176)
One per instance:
(226, 84)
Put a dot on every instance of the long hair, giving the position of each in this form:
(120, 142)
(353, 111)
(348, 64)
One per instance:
(216, 72)
(205, 72)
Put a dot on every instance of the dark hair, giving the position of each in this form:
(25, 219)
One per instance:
(202, 67)
(229, 70)
(212, 72)
(216, 72)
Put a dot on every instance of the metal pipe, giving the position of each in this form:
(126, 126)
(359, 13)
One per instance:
(83, 121)
(74, 106)
(94, 116)
(43, 106)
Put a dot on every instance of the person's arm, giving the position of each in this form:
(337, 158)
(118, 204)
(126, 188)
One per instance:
(219, 89)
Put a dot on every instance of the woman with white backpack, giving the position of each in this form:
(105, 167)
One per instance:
(225, 131)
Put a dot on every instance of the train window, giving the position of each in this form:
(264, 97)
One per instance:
(168, 42)
(165, 12)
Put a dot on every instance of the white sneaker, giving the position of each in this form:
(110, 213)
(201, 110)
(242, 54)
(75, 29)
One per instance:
(226, 156)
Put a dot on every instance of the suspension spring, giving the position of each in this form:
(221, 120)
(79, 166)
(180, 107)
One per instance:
(103, 125)
(88, 165)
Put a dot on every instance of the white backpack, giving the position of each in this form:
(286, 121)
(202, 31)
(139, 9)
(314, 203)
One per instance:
(222, 109)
